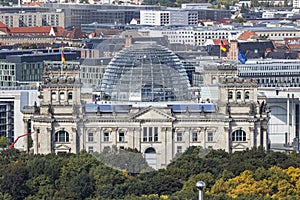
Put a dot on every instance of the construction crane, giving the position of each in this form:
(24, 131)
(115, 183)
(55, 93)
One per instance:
(13, 144)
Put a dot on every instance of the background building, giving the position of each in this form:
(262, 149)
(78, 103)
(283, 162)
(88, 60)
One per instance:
(12, 102)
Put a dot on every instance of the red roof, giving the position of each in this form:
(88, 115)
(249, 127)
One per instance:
(3, 27)
(37, 29)
(246, 35)
(218, 42)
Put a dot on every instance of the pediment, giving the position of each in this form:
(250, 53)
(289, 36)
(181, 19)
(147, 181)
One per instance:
(239, 146)
(153, 114)
(62, 147)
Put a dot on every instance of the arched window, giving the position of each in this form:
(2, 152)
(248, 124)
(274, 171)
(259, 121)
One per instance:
(62, 136)
(53, 95)
(70, 95)
(238, 136)
(238, 95)
(61, 96)
(247, 95)
(230, 96)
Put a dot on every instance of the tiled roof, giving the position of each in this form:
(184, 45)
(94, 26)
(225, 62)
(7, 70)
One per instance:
(2, 25)
(32, 3)
(246, 35)
(218, 42)
(76, 33)
(37, 29)
(294, 46)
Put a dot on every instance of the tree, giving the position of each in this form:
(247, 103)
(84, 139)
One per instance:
(3, 142)
(13, 179)
(130, 160)
(82, 185)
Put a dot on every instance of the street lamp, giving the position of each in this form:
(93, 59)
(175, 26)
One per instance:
(200, 185)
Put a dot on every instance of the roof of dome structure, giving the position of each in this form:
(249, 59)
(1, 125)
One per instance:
(145, 72)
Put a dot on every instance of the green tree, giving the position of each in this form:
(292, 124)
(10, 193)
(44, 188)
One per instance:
(13, 179)
(3, 142)
(82, 185)
(130, 160)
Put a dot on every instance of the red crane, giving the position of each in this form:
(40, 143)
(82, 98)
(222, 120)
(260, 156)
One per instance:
(13, 144)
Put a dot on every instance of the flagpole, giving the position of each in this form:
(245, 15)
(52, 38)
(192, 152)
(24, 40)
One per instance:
(220, 50)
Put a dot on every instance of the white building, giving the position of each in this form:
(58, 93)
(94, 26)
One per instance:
(12, 102)
(284, 121)
(204, 34)
(170, 17)
(296, 4)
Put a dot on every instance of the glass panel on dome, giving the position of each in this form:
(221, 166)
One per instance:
(146, 72)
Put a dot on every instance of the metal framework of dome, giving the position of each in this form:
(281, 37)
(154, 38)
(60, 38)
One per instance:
(145, 72)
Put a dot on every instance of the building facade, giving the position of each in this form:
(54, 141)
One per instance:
(140, 110)
(33, 19)
(12, 101)
(27, 69)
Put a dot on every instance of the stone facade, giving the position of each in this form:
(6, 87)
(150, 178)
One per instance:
(66, 123)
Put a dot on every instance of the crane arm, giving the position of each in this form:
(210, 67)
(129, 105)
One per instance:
(16, 140)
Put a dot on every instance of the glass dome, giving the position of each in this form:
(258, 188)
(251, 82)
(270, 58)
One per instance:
(145, 72)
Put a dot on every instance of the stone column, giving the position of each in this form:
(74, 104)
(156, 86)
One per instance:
(26, 145)
(36, 141)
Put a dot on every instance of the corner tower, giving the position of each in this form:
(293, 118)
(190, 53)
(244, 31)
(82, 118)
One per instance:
(55, 120)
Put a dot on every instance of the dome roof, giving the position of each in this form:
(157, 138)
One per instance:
(145, 72)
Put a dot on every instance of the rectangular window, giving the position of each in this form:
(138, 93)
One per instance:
(150, 134)
(91, 137)
(145, 135)
(155, 134)
(106, 137)
(90, 149)
(121, 137)
(179, 149)
(210, 137)
(179, 137)
(195, 137)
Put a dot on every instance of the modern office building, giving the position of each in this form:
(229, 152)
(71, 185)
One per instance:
(168, 17)
(27, 69)
(279, 81)
(196, 36)
(146, 103)
(272, 72)
(77, 14)
(12, 101)
(92, 70)
(283, 103)
(32, 19)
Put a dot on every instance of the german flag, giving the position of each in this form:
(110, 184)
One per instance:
(222, 47)
(63, 58)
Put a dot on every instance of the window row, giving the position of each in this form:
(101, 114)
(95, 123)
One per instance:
(61, 95)
(195, 138)
(150, 134)
(239, 95)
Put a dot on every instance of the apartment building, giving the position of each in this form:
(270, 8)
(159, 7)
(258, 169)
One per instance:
(31, 19)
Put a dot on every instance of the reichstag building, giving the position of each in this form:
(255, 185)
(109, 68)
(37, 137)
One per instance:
(146, 103)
